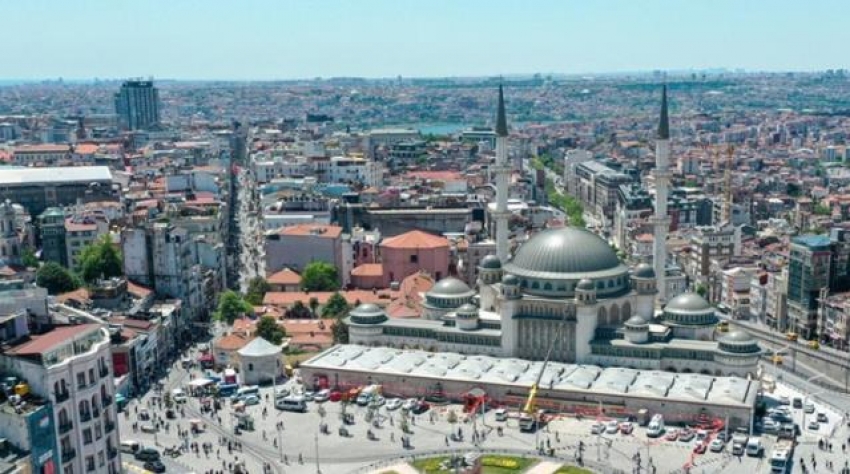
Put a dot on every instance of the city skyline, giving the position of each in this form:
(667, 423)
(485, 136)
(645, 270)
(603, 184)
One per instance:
(372, 39)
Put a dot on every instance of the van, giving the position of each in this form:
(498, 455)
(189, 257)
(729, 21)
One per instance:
(501, 414)
(129, 446)
(249, 390)
(754, 447)
(655, 427)
(292, 403)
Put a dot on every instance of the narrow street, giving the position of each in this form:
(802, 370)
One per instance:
(249, 215)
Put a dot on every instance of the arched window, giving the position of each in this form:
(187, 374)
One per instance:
(614, 316)
(547, 287)
(535, 285)
(602, 316)
(251, 367)
(626, 313)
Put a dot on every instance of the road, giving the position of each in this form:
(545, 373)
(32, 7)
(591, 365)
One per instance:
(249, 216)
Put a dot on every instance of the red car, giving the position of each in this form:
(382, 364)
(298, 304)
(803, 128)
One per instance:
(699, 448)
(335, 396)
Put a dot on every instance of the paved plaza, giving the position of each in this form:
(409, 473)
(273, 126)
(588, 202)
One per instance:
(300, 447)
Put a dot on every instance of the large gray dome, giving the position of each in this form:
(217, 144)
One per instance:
(563, 253)
(449, 286)
(687, 303)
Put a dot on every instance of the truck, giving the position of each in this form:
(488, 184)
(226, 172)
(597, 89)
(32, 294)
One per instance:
(739, 443)
(780, 458)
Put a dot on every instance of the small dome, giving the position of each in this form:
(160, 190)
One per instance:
(510, 280)
(644, 270)
(636, 322)
(491, 262)
(450, 286)
(585, 284)
(739, 342)
(467, 308)
(738, 336)
(367, 313)
(688, 303)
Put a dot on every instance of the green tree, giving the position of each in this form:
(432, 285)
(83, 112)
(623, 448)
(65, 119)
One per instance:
(340, 331)
(822, 210)
(231, 306)
(257, 289)
(319, 276)
(336, 306)
(270, 330)
(298, 310)
(100, 259)
(29, 259)
(701, 290)
(56, 279)
(314, 306)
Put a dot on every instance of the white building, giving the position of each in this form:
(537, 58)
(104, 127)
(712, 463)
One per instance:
(70, 366)
(345, 169)
(260, 362)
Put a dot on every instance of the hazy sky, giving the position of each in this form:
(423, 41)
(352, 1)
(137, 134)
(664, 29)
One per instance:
(271, 39)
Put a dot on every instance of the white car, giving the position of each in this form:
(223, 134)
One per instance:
(716, 445)
(394, 404)
(409, 404)
(597, 428)
(701, 435)
(322, 396)
(814, 425)
(612, 427)
(178, 396)
(809, 407)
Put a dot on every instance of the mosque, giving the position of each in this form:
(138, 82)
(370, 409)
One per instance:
(565, 293)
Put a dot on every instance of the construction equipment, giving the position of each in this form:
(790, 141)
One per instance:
(530, 418)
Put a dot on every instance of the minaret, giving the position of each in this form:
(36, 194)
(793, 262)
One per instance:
(660, 221)
(502, 171)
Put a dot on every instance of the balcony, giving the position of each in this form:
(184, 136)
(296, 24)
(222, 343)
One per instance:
(104, 371)
(109, 426)
(68, 454)
(61, 396)
(85, 416)
(65, 427)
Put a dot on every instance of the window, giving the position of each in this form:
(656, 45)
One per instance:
(98, 433)
(414, 259)
(251, 367)
(91, 376)
(81, 380)
(101, 459)
(87, 439)
(89, 463)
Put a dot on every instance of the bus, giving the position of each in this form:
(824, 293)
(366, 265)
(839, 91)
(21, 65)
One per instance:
(227, 389)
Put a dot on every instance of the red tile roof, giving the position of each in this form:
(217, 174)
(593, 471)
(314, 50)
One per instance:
(48, 341)
(415, 239)
(286, 299)
(368, 270)
(286, 276)
(317, 230)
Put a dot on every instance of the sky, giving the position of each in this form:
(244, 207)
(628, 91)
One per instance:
(286, 39)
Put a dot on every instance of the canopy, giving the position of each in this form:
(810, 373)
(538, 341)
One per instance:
(200, 382)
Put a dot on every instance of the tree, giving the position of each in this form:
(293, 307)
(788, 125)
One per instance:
(55, 278)
(336, 306)
(231, 306)
(314, 305)
(319, 276)
(340, 331)
(257, 289)
(100, 259)
(298, 310)
(701, 290)
(29, 259)
(270, 330)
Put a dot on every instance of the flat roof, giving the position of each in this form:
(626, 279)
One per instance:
(589, 379)
(54, 174)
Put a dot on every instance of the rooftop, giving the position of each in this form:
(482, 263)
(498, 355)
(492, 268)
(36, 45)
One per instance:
(68, 174)
(558, 376)
(316, 230)
(415, 239)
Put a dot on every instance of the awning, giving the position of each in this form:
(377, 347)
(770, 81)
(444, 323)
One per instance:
(200, 382)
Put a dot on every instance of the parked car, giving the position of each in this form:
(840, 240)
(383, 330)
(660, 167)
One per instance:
(501, 414)
(597, 428)
(252, 400)
(797, 402)
(699, 448)
(409, 404)
(814, 425)
(335, 396)
(627, 427)
(716, 445)
(672, 434)
(784, 400)
(155, 466)
(147, 454)
(178, 395)
(686, 435)
(702, 435)
(809, 407)
(421, 407)
(822, 417)
(723, 436)
(612, 427)
(322, 396)
(394, 404)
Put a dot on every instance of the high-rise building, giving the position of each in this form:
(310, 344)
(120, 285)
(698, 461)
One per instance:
(808, 273)
(137, 105)
(53, 243)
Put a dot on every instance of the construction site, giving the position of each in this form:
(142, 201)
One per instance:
(531, 386)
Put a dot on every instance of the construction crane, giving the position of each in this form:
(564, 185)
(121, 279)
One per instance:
(531, 417)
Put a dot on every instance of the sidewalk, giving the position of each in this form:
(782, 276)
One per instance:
(544, 467)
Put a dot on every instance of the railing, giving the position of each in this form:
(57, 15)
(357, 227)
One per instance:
(68, 454)
(65, 427)
(61, 396)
